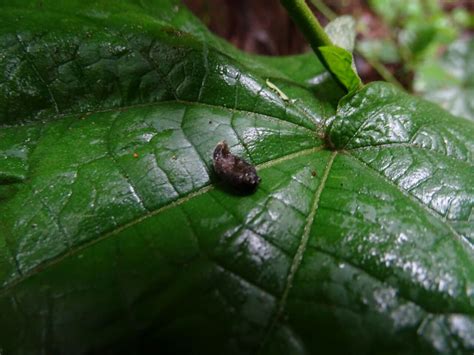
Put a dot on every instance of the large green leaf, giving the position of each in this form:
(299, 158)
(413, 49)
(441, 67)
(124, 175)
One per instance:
(116, 237)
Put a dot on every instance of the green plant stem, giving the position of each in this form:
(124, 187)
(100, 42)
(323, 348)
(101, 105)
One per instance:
(311, 29)
(307, 22)
(374, 63)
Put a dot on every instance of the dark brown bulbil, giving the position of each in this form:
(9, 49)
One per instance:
(233, 170)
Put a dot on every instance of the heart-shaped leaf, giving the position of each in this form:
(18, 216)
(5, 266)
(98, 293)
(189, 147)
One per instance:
(117, 237)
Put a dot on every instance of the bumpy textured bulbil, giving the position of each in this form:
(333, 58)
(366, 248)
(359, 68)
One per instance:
(233, 170)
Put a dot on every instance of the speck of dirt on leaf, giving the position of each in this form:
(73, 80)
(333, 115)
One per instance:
(210, 122)
(314, 173)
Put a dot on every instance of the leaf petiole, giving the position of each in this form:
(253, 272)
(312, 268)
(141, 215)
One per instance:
(314, 33)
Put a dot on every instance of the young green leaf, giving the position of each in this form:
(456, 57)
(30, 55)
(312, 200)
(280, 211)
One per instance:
(340, 62)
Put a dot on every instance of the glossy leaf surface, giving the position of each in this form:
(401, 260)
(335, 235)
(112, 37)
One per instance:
(116, 236)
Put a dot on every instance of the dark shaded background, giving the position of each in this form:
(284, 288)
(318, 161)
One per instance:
(263, 26)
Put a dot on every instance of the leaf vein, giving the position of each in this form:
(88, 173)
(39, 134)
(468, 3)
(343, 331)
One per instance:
(299, 254)
(135, 221)
(40, 77)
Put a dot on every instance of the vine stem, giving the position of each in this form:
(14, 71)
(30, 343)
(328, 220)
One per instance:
(312, 30)
(307, 23)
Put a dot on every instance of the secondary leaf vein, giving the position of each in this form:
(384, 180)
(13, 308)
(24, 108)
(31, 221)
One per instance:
(413, 198)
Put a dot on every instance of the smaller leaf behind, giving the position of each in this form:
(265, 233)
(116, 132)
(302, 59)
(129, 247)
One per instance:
(340, 62)
(338, 57)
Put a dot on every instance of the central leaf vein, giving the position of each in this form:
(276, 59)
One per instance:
(299, 252)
